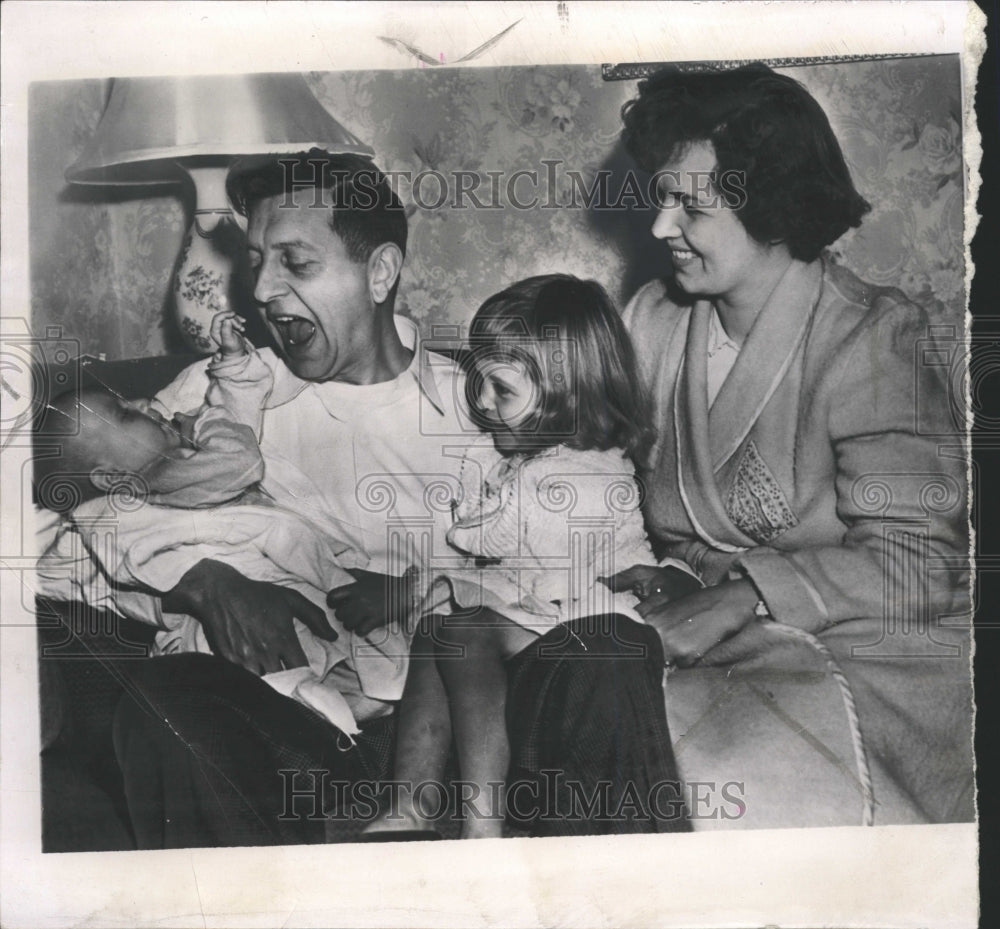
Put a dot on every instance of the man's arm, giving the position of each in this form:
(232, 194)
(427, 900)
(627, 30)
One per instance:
(247, 622)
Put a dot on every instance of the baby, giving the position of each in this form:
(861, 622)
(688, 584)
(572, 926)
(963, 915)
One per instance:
(200, 459)
(201, 472)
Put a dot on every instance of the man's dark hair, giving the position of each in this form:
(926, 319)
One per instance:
(364, 211)
(768, 129)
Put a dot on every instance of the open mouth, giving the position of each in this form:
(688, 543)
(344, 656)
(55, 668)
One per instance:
(682, 255)
(294, 330)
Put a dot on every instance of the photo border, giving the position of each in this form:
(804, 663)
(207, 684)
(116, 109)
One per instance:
(800, 877)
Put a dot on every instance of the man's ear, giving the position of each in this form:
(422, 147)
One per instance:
(384, 266)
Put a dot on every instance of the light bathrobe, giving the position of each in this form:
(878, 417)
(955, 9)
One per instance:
(830, 470)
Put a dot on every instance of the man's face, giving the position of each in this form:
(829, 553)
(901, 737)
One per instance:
(314, 299)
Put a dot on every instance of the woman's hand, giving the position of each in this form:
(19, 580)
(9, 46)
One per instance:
(693, 625)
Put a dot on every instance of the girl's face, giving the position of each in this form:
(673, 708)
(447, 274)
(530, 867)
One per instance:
(509, 398)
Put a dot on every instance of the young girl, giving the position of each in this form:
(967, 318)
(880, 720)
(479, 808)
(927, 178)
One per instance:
(548, 505)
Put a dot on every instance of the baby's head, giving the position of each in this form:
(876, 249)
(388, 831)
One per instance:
(551, 364)
(102, 439)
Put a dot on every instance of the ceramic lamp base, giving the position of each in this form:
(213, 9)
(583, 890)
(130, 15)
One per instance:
(203, 284)
(213, 272)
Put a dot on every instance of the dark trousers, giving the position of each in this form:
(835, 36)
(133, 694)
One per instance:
(211, 756)
(588, 733)
(209, 752)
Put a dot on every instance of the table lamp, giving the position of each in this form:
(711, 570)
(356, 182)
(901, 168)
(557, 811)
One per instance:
(170, 129)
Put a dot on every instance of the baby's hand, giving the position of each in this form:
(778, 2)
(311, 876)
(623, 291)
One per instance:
(227, 330)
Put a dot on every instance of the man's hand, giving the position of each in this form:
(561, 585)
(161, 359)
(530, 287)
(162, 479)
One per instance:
(691, 626)
(654, 586)
(247, 622)
(373, 600)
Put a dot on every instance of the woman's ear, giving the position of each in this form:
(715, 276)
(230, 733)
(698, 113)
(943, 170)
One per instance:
(384, 266)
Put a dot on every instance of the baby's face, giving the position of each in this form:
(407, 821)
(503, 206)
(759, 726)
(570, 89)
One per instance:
(122, 436)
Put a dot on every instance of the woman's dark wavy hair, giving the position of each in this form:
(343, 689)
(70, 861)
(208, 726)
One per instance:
(765, 126)
(572, 341)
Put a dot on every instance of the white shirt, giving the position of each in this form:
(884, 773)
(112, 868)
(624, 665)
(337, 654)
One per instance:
(364, 455)
(722, 355)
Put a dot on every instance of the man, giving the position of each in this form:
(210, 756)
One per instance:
(372, 430)
(352, 437)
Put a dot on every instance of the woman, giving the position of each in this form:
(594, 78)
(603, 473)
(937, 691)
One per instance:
(788, 469)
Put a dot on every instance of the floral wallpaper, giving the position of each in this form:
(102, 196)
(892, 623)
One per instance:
(901, 133)
(101, 258)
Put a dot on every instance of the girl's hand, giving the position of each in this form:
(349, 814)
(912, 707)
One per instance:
(227, 330)
(693, 625)
(654, 586)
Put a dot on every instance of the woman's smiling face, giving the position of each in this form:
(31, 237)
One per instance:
(711, 251)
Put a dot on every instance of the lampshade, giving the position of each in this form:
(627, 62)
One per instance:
(151, 123)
